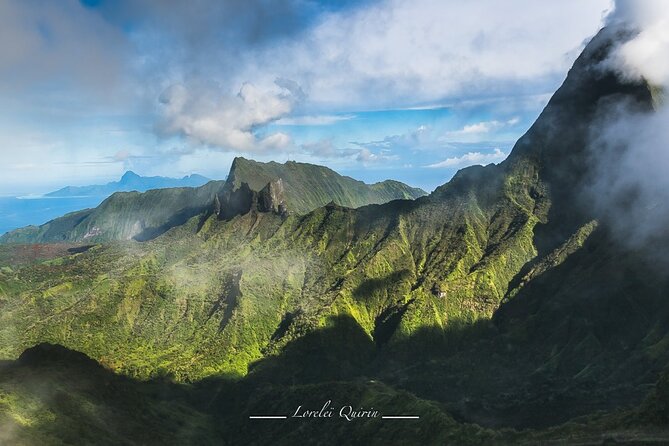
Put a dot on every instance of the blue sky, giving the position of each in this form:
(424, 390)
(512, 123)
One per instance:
(374, 89)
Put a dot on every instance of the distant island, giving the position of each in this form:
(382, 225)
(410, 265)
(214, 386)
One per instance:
(130, 181)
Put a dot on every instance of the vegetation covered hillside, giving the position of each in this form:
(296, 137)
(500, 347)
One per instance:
(309, 186)
(142, 216)
(500, 299)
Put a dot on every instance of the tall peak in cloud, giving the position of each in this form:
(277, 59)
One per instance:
(645, 55)
(629, 143)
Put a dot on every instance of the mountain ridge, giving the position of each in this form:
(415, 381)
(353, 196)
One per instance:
(130, 181)
(141, 216)
(317, 185)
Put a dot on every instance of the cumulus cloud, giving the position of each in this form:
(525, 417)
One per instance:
(396, 53)
(204, 113)
(366, 156)
(471, 159)
(630, 147)
(645, 55)
(362, 54)
(426, 138)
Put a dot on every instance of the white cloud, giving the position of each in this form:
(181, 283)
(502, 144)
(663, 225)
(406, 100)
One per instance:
(203, 113)
(483, 128)
(366, 156)
(34, 163)
(646, 54)
(629, 184)
(470, 159)
(397, 53)
(414, 139)
(325, 148)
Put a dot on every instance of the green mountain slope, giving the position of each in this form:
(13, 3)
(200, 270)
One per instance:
(309, 186)
(123, 216)
(141, 216)
(501, 296)
(52, 395)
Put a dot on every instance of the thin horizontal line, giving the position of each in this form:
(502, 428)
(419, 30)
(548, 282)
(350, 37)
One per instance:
(407, 417)
(268, 417)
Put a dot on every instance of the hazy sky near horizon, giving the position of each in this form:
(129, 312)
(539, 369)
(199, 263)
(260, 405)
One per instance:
(376, 89)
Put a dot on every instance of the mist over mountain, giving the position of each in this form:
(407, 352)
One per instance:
(629, 144)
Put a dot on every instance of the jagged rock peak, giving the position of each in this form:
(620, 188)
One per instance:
(232, 202)
(272, 198)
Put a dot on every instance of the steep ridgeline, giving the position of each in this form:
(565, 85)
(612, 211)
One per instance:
(501, 294)
(142, 216)
(309, 186)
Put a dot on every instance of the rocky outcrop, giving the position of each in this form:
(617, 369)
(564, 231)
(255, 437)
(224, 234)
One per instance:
(272, 198)
(235, 202)
(240, 201)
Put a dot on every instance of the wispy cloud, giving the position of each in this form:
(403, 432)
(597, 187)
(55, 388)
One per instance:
(483, 128)
(413, 140)
(402, 54)
(366, 156)
(326, 149)
(203, 113)
(471, 159)
(314, 120)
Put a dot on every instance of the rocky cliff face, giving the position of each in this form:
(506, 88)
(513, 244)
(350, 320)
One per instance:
(237, 201)
(233, 202)
(272, 198)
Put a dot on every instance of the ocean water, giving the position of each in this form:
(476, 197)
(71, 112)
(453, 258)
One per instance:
(16, 212)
